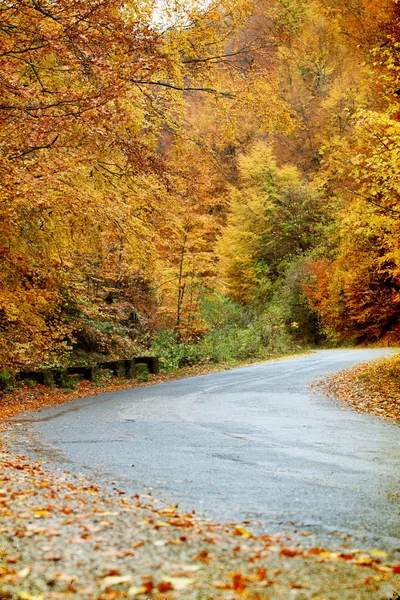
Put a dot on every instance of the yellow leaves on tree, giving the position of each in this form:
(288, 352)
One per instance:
(358, 292)
(274, 217)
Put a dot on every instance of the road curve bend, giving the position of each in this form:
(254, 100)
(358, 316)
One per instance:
(252, 443)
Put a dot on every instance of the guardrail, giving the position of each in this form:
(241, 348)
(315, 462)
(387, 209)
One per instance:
(125, 368)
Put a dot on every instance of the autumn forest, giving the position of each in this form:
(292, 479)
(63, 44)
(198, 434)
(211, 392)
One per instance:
(218, 180)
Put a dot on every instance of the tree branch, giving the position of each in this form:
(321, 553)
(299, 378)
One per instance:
(184, 89)
(34, 149)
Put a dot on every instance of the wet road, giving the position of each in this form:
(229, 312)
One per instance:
(252, 443)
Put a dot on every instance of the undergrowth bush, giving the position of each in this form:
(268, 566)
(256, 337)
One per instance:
(235, 334)
(7, 381)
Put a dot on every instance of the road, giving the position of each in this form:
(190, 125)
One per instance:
(247, 444)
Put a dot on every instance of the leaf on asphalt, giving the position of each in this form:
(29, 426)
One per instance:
(53, 557)
(41, 514)
(384, 569)
(239, 582)
(136, 591)
(115, 580)
(190, 568)
(165, 586)
(330, 555)
(363, 559)
(23, 573)
(160, 524)
(316, 550)
(222, 585)
(203, 557)
(179, 583)
(379, 553)
(28, 596)
(108, 514)
(289, 552)
(396, 569)
(169, 510)
(241, 531)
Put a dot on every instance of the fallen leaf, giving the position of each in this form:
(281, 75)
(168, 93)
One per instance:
(115, 580)
(179, 583)
(161, 524)
(108, 514)
(288, 552)
(136, 591)
(239, 582)
(222, 585)
(241, 531)
(169, 510)
(24, 573)
(165, 586)
(384, 569)
(330, 555)
(316, 550)
(379, 553)
(28, 596)
(364, 560)
(190, 568)
(41, 514)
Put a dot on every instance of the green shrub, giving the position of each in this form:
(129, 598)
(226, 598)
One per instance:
(102, 377)
(71, 381)
(166, 345)
(300, 318)
(142, 372)
(236, 334)
(7, 381)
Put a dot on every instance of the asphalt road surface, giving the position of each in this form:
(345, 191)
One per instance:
(252, 443)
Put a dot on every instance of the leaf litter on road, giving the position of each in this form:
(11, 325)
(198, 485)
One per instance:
(369, 387)
(64, 538)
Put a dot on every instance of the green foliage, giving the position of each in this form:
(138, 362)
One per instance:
(165, 344)
(235, 334)
(142, 372)
(70, 382)
(275, 216)
(301, 320)
(220, 312)
(102, 377)
(104, 334)
(257, 336)
(7, 381)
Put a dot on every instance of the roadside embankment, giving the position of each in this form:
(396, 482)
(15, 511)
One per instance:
(370, 387)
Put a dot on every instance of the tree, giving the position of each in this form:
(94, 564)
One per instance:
(275, 216)
(89, 92)
(356, 285)
(357, 293)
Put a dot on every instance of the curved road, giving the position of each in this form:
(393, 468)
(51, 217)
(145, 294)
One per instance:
(252, 443)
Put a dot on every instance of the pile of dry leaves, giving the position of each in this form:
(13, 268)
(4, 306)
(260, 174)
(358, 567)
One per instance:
(372, 387)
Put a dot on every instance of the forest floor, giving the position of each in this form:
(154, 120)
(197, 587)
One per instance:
(64, 538)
